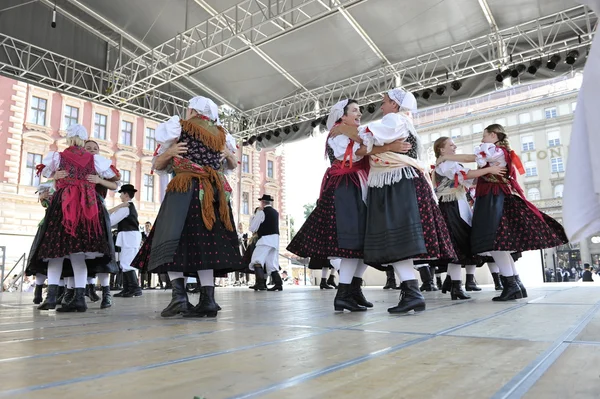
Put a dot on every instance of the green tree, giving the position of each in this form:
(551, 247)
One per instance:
(292, 228)
(308, 208)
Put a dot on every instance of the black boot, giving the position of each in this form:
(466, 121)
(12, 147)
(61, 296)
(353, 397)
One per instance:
(179, 299)
(91, 293)
(37, 294)
(259, 276)
(324, 285)
(357, 294)
(344, 300)
(438, 282)
(471, 283)
(106, 298)
(76, 304)
(521, 286)
(69, 293)
(60, 293)
(497, 283)
(427, 279)
(134, 285)
(331, 281)
(447, 285)
(125, 289)
(410, 298)
(276, 278)
(207, 305)
(457, 291)
(511, 290)
(390, 283)
(50, 301)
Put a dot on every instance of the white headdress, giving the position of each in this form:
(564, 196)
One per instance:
(205, 106)
(404, 99)
(77, 130)
(337, 111)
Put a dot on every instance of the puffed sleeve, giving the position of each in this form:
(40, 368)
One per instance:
(167, 133)
(455, 171)
(339, 144)
(230, 143)
(489, 153)
(103, 167)
(390, 128)
(51, 164)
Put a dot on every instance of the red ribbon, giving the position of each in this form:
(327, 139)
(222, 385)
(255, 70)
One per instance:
(456, 181)
(517, 162)
(38, 169)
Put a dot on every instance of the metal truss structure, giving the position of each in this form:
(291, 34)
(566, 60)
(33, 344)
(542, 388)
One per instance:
(559, 32)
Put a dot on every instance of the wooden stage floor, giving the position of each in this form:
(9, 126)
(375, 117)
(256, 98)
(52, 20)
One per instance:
(292, 345)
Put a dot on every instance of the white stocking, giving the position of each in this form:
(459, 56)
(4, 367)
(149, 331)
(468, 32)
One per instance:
(360, 269)
(454, 271)
(91, 280)
(175, 275)
(55, 267)
(206, 277)
(470, 269)
(40, 278)
(347, 270)
(324, 272)
(493, 267)
(514, 266)
(405, 269)
(503, 260)
(79, 270)
(104, 279)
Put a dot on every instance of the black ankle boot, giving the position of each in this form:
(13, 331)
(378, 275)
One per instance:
(60, 293)
(447, 285)
(471, 283)
(497, 283)
(50, 301)
(427, 279)
(106, 298)
(457, 291)
(179, 299)
(207, 307)
(410, 298)
(511, 290)
(390, 283)
(331, 281)
(91, 293)
(37, 294)
(133, 283)
(521, 286)
(438, 282)
(277, 281)
(259, 276)
(324, 285)
(125, 289)
(76, 304)
(69, 293)
(357, 294)
(344, 300)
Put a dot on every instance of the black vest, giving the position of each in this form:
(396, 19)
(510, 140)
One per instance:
(271, 223)
(587, 276)
(130, 223)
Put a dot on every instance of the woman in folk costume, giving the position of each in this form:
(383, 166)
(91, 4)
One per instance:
(503, 220)
(202, 239)
(404, 223)
(452, 180)
(335, 228)
(325, 265)
(76, 226)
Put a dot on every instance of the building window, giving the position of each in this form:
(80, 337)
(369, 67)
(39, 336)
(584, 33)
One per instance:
(100, 122)
(558, 191)
(38, 111)
(270, 173)
(553, 138)
(125, 176)
(434, 136)
(245, 163)
(533, 194)
(524, 118)
(71, 115)
(454, 133)
(31, 177)
(557, 165)
(527, 143)
(573, 106)
(150, 139)
(126, 132)
(530, 169)
(245, 203)
(477, 128)
(148, 188)
(550, 113)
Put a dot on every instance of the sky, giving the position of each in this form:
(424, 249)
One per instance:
(305, 165)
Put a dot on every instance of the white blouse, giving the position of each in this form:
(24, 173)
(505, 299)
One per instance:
(390, 128)
(339, 144)
(489, 153)
(451, 169)
(102, 165)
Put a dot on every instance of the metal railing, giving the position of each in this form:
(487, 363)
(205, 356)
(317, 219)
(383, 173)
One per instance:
(4, 276)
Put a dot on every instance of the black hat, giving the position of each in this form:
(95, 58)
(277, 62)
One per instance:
(266, 197)
(128, 188)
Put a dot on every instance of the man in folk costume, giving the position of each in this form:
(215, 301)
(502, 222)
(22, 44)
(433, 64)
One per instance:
(265, 223)
(124, 216)
(194, 232)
